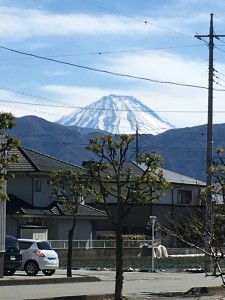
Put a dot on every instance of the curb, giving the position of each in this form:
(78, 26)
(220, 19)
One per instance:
(82, 297)
(8, 282)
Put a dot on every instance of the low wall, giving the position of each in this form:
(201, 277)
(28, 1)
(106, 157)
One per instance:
(111, 252)
(92, 253)
(181, 251)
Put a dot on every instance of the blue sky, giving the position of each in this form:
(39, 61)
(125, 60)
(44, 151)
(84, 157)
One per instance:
(142, 38)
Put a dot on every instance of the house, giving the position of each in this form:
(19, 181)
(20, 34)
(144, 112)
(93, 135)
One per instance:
(31, 212)
(176, 203)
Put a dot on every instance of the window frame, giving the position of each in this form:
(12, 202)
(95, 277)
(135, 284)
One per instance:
(184, 197)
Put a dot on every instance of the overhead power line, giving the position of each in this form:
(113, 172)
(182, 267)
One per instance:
(108, 109)
(107, 72)
(112, 52)
(136, 19)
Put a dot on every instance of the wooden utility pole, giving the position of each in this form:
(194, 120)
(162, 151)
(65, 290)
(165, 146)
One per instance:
(137, 145)
(209, 157)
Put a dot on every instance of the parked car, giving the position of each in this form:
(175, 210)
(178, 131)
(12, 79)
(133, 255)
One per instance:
(38, 255)
(12, 255)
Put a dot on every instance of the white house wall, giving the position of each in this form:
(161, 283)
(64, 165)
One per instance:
(169, 195)
(23, 186)
(42, 197)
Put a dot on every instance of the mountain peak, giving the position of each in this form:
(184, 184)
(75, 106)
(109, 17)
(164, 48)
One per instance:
(117, 114)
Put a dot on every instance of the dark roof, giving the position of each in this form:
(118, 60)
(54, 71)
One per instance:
(33, 161)
(17, 206)
(86, 210)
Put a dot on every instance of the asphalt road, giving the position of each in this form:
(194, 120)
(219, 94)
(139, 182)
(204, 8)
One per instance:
(137, 285)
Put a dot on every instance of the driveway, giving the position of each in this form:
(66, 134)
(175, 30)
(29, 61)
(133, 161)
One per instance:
(137, 285)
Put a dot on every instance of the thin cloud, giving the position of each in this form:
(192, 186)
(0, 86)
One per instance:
(25, 23)
(57, 73)
(160, 65)
(22, 23)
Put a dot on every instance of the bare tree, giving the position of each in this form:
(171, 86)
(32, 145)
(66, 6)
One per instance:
(68, 186)
(207, 234)
(112, 177)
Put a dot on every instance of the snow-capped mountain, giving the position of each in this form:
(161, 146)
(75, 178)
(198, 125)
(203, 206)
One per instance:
(117, 114)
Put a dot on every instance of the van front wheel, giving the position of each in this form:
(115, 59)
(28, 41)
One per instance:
(48, 272)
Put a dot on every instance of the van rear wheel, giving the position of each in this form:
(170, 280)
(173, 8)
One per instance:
(31, 268)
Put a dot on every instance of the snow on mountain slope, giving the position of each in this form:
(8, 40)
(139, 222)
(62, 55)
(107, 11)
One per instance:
(117, 114)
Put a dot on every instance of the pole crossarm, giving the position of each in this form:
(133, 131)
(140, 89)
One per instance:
(208, 35)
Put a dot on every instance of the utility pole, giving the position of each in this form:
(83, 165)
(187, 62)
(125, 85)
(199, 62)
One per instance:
(153, 220)
(2, 222)
(209, 157)
(137, 144)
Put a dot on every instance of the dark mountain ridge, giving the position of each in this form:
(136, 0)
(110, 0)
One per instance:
(183, 150)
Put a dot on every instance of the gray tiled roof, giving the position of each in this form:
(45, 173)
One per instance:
(174, 177)
(170, 176)
(178, 178)
(33, 161)
(30, 161)
(23, 164)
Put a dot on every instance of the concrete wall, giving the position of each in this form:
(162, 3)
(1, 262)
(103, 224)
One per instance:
(104, 253)
(92, 253)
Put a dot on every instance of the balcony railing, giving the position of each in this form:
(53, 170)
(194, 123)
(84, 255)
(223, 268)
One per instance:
(95, 244)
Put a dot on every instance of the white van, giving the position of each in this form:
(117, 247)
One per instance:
(38, 255)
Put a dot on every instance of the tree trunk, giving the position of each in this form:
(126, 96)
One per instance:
(119, 264)
(70, 248)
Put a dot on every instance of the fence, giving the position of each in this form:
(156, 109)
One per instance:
(97, 244)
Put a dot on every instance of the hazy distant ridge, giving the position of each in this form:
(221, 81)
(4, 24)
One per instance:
(183, 149)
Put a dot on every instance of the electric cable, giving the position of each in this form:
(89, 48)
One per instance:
(109, 52)
(108, 109)
(108, 72)
(136, 19)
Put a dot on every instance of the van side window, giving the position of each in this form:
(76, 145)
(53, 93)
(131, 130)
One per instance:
(24, 245)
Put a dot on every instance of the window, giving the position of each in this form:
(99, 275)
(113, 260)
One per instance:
(34, 221)
(24, 245)
(184, 197)
(44, 246)
(37, 186)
